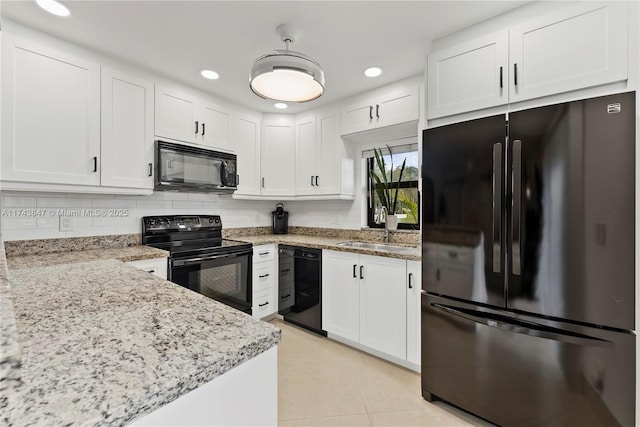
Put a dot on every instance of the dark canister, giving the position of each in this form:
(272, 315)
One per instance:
(280, 220)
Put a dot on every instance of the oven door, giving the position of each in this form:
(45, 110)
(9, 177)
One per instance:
(225, 278)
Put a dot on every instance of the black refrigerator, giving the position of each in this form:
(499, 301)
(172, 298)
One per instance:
(528, 265)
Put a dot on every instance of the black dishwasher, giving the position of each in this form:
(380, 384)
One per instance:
(300, 287)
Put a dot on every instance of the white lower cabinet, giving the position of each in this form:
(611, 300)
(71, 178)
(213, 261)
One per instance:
(264, 281)
(414, 311)
(366, 300)
(155, 266)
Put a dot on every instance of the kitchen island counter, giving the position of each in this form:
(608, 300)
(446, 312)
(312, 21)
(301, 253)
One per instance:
(102, 343)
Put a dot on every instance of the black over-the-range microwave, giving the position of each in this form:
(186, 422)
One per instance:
(187, 168)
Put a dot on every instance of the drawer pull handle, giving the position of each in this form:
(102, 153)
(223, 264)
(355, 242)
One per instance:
(263, 276)
(263, 253)
(453, 255)
(354, 271)
(151, 271)
(262, 305)
(285, 271)
(286, 296)
(361, 271)
(410, 280)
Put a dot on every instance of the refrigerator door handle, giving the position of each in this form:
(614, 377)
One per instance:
(497, 208)
(516, 201)
(518, 326)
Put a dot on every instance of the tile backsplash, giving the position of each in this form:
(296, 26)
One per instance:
(31, 215)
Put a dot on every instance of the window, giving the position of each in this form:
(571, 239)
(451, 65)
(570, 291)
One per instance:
(408, 197)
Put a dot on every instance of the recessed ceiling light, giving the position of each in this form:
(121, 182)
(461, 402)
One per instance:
(209, 74)
(280, 105)
(372, 72)
(54, 7)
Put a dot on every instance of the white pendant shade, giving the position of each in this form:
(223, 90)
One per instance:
(286, 75)
(287, 85)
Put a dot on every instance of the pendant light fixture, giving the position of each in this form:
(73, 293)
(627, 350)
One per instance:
(286, 75)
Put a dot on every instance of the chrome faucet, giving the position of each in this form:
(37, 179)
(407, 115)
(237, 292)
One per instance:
(378, 220)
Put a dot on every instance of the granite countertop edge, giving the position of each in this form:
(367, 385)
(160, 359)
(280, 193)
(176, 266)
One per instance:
(331, 243)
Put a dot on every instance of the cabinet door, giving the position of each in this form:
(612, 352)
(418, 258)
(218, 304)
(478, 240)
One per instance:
(277, 158)
(340, 294)
(330, 154)
(383, 305)
(176, 115)
(126, 130)
(413, 311)
(306, 156)
(214, 127)
(357, 117)
(245, 138)
(469, 76)
(155, 266)
(50, 115)
(579, 46)
(398, 106)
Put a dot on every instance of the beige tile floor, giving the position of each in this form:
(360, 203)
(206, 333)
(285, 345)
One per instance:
(324, 383)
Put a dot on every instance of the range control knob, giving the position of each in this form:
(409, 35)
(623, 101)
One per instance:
(210, 220)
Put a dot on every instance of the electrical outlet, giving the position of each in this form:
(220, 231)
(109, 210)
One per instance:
(66, 223)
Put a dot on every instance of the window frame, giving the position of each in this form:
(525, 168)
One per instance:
(371, 209)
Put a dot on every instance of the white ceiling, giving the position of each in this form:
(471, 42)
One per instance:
(178, 38)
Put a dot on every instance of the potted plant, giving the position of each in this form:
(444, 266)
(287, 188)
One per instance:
(383, 184)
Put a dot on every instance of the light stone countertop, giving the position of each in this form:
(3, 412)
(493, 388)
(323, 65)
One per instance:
(100, 342)
(319, 242)
(124, 254)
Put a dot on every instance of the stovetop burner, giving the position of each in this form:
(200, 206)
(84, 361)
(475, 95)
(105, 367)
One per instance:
(187, 235)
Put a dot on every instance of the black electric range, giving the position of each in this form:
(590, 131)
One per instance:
(200, 259)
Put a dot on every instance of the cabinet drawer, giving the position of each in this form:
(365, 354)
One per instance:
(264, 253)
(263, 304)
(285, 297)
(263, 276)
(156, 266)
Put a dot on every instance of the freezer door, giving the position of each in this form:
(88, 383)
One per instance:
(463, 220)
(526, 371)
(571, 217)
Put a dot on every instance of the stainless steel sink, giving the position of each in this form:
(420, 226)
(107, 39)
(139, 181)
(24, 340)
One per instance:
(376, 246)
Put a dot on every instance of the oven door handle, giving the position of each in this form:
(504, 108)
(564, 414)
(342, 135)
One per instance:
(191, 261)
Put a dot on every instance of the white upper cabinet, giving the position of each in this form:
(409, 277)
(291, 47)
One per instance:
(214, 127)
(398, 104)
(306, 155)
(50, 115)
(176, 115)
(278, 157)
(245, 137)
(126, 130)
(187, 118)
(576, 47)
(580, 46)
(322, 166)
(469, 76)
